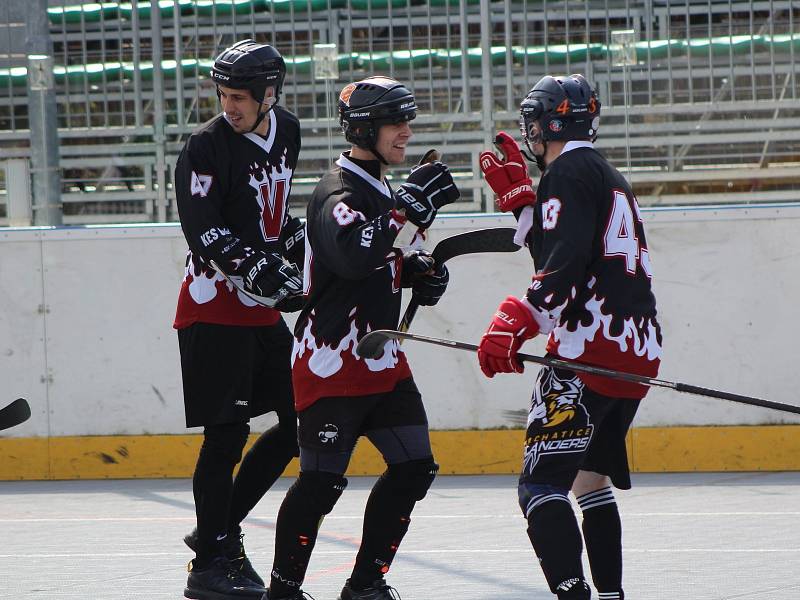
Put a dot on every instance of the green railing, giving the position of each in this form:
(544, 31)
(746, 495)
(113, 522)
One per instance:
(122, 10)
(379, 61)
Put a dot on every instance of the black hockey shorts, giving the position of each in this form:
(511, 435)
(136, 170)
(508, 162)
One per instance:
(572, 428)
(232, 373)
(395, 422)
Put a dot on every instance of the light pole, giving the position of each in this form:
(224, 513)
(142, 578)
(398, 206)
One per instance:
(623, 53)
(326, 68)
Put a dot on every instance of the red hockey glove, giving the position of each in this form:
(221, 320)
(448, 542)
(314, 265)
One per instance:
(508, 177)
(512, 324)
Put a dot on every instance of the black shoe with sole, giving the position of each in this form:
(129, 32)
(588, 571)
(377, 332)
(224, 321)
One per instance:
(298, 595)
(379, 590)
(220, 581)
(234, 552)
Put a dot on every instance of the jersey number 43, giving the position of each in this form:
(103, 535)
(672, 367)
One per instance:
(620, 239)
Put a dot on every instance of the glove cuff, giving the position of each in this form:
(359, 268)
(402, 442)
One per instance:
(514, 316)
(519, 195)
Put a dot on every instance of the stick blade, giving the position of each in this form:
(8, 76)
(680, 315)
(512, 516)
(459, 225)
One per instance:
(372, 344)
(15, 413)
(495, 239)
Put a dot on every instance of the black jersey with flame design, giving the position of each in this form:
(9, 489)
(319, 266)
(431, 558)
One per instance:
(352, 282)
(233, 192)
(592, 288)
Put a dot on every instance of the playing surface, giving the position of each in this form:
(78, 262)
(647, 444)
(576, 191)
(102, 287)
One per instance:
(699, 536)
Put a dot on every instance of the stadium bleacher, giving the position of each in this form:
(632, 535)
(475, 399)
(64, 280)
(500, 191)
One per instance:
(711, 106)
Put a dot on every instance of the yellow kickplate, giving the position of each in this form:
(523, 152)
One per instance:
(657, 449)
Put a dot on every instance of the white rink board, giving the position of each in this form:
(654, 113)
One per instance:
(100, 356)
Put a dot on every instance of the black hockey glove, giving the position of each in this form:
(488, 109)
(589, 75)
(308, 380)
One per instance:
(274, 282)
(415, 264)
(429, 288)
(293, 242)
(428, 188)
(427, 280)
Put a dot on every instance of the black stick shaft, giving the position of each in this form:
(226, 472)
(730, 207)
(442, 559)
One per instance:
(560, 363)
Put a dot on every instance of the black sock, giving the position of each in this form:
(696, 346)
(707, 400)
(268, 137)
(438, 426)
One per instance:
(261, 466)
(211, 484)
(309, 499)
(386, 521)
(388, 515)
(553, 531)
(602, 532)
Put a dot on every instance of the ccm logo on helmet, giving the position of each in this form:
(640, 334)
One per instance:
(216, 75)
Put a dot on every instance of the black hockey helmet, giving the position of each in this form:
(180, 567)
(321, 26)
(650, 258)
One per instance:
(248, 65)
(368, 104)
(566, 108)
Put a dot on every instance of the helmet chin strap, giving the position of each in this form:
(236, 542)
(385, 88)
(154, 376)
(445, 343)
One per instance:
(532, 156)
(373, 147)
(263, 114)
(374, 150)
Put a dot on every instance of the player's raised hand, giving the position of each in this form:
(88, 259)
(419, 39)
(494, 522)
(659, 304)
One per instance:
(507, 174)
(429, 187)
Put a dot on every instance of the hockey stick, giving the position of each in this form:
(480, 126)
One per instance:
(371, 346)
(237, 283)
(497, 239)
(15, 413)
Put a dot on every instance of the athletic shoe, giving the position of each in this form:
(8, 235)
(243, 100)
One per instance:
(220, 581)
(377, 591)
(234, 552)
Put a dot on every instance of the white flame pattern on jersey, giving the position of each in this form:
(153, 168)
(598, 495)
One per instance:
(572, 344)
(325, 361)
(203, 288)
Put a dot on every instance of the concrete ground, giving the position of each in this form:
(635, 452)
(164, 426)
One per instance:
(698, 536)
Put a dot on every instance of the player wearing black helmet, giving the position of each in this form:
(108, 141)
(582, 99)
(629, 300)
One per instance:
(232, 182)
(353, 277)
(591, 294)
(257, 68)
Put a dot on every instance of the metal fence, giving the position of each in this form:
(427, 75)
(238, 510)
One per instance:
(700, 98)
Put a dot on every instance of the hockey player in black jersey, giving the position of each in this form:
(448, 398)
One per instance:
(591, 294)
(232, 182)
(353, 278)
